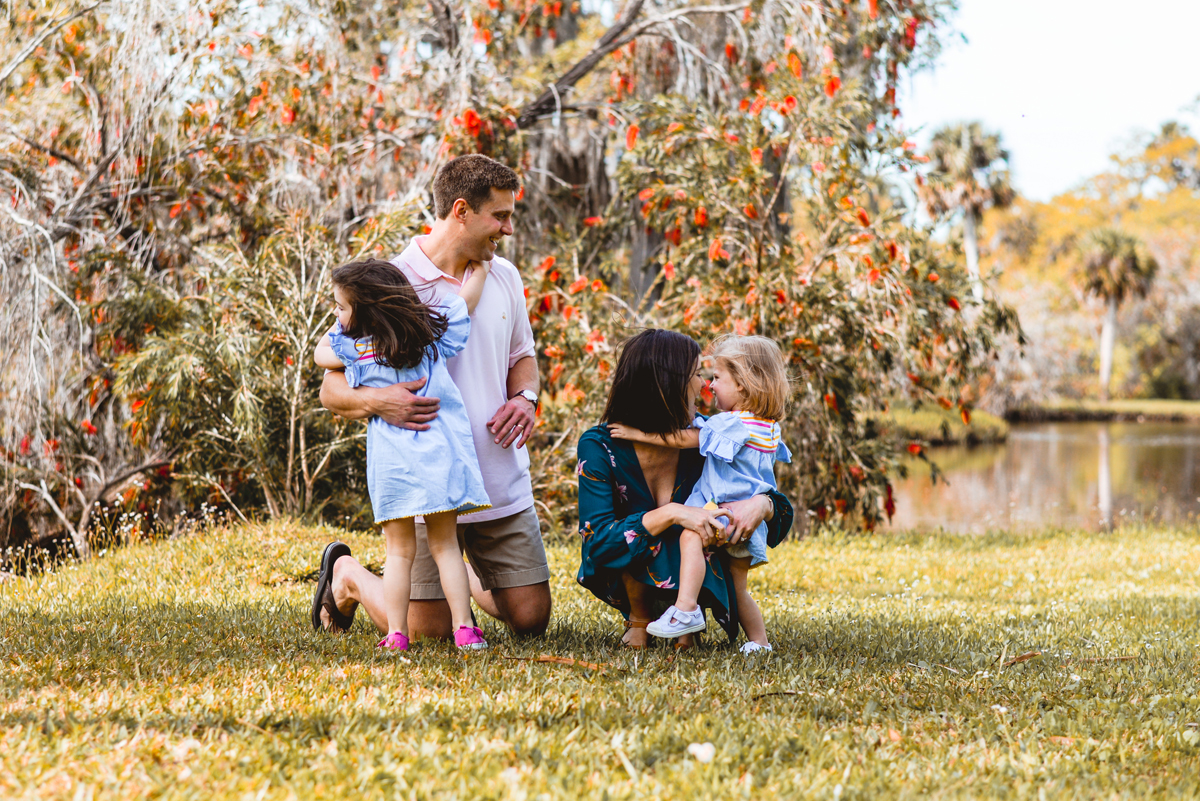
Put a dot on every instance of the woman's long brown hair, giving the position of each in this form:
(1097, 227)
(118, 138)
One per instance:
(385, 307)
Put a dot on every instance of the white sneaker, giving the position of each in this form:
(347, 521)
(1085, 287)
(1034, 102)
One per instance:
(676, 623)
(751, 647)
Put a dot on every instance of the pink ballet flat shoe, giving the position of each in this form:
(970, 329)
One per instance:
(469, 638)
(396, 641)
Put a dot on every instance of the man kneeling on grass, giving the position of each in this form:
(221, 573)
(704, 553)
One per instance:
(474, 199)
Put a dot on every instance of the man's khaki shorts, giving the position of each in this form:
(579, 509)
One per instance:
(507, 552)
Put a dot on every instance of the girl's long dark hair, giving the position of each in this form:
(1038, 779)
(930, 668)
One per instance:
(386, 308)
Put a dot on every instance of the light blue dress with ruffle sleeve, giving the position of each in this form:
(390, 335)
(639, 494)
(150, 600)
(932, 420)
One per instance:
(412, 473)
(740, 451)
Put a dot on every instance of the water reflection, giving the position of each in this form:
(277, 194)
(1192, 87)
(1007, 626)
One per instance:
(1087, 475)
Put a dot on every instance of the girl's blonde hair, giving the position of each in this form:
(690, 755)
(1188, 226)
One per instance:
(756, 364)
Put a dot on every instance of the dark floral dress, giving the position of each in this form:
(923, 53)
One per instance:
(613, 496)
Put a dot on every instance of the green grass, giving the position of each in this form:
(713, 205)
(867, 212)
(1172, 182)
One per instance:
(1148, 408)
(938, 426)
(187, 669)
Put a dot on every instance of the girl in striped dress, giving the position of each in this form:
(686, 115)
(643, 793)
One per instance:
(740, 445)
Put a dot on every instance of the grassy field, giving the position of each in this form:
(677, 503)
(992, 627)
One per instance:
(904, 667)
(938, 426)
(1147, 408)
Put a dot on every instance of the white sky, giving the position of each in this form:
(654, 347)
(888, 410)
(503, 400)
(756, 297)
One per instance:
(1065, 82)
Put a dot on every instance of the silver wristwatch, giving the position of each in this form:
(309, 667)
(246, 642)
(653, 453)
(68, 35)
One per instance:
(529, 395)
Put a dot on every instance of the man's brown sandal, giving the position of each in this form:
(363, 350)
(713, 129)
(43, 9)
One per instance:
(323, 596)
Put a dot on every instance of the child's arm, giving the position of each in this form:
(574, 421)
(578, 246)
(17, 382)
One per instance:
(472, 288)
(684, 440)
(325, 357)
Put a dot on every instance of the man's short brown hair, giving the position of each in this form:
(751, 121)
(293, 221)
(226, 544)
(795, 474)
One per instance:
(471, 178)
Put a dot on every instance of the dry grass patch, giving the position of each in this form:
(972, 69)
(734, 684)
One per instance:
(187, 669)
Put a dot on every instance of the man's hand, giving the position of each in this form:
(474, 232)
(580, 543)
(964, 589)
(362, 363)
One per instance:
(513, 422)
(399, 406)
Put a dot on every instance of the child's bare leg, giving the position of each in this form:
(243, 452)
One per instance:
(692, 566)
(400, 540)
(748, 612)
(442, 533)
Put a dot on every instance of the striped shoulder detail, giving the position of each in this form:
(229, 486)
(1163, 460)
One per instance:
(764, 432)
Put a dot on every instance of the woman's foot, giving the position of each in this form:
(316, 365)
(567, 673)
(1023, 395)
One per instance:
(469, 638)
(396, 641)
(675, 623)
(635, 634)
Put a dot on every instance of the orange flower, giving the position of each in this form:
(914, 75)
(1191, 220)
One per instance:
(795, 66)
(831, 401)
(944, 403)
(965, 413)
(863, 219)
(873, 5)
(750, 211)
(137, 405)
(832, 85)
(578, 285)
(701, 217)
(954, 304)
(872, 276)
(731, 53)
(674, 126)
(669, 270)
(547, 263)
(914, 448)
(818, 166)
(88, 428)
(646, 194)
(597, 285)
(592, 222)
(933, 277)
(288, 115)
(631, 136)
(756, 155)
(715, 251)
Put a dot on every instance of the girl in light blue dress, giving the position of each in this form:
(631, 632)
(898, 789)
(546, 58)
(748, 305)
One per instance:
(386, 335)
(740, 446)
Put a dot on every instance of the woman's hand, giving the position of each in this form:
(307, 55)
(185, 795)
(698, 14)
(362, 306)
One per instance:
(708, 523)
(745, 516)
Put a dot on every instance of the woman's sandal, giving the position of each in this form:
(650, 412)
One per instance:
(635, 623)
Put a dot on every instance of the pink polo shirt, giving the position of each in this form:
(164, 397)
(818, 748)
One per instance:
(500, 337)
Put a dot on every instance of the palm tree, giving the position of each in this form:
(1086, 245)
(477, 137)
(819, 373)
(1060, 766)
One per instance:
(968, 173)
(1114, 266)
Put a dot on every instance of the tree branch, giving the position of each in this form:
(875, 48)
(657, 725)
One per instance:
(82, 549)
(620, 34)
(550, 98)
(46, 33)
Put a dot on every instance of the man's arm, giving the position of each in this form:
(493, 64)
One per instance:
(395, 404)
(514, 421)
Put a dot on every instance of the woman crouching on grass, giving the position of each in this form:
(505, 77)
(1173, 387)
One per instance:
(632, 494)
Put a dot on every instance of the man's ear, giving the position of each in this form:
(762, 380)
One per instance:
(459, 210)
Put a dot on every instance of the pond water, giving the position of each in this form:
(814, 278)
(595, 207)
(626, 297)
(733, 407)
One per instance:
(1083, 475)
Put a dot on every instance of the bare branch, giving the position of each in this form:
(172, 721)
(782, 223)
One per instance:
(46, 33)
(620, 34)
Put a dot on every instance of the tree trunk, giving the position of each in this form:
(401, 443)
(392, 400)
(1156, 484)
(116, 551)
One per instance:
(1107, 335)
(1104, 483)
(971, 246)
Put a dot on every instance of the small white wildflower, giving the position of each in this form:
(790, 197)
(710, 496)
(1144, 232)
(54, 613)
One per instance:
(703, 752)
